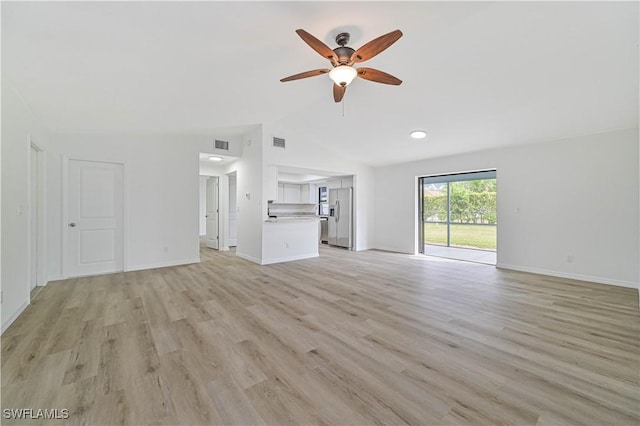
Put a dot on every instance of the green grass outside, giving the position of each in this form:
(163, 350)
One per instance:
(474, 236)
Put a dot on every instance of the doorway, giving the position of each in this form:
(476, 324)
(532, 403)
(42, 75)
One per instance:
(94, 229)
(459, 216)
(35, 218)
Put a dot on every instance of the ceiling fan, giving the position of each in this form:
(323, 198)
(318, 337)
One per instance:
(343, 58)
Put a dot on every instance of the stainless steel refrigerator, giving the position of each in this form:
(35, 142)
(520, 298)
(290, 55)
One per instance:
(340, 217)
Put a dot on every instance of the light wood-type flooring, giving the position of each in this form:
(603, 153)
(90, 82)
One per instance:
(348, 338)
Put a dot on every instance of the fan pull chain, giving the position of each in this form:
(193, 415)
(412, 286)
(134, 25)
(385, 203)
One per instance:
(343, 107)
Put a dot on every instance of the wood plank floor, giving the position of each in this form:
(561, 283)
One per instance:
(348, 338)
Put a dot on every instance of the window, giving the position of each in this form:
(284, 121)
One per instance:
(323, 201)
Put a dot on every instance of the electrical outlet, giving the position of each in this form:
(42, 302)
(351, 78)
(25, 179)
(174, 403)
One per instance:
(570, 259)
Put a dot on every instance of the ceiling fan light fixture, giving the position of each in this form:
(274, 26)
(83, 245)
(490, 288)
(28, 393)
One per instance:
(343, 75)
(343, 57)
(418, 134)
(214, 158)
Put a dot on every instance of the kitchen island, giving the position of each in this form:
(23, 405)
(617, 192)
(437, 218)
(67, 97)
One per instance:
(290, 233)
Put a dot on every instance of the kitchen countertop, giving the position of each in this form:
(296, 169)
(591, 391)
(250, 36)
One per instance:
(293, 219)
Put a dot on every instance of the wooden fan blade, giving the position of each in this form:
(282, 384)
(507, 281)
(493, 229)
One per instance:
(378, 76)
(324, 50)
(338, 92)
(375, 46)
(305, 75)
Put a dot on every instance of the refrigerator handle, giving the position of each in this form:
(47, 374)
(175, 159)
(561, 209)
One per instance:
(337, 209)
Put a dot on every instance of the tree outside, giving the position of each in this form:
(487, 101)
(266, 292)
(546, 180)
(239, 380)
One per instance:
(435, 202)
(471, 203)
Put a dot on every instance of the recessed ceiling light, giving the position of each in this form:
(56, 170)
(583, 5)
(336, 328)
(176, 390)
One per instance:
(214, 158)
(418, 134)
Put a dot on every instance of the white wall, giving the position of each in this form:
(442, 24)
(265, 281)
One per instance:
(19, 126)
(576, 197)
(233, 210)
(211, 169)
(161, 195)
(251, 208)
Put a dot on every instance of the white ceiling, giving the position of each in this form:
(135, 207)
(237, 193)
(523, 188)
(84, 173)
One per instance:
(476, 75)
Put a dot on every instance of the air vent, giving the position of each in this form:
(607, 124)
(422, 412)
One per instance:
(278, 142)
(222, 145)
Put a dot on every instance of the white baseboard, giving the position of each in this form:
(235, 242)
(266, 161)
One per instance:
(14, 317)
(289, 258)
(580, 277)
(163, 264)
(392, 249)
(56, 277)
(278, 259)
(249, 258)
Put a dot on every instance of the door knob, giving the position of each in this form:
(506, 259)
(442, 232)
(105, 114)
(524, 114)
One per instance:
(72, 225)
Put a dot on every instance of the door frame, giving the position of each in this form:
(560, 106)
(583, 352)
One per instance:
(217, 213)
(223, 212)
(228, 241)
(65, 210)
(420, 221)
(449, 178)
(41, 234)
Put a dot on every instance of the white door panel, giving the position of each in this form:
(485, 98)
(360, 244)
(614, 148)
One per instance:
(96, 204)
(212, 213)
(95, 211)
(97, 246)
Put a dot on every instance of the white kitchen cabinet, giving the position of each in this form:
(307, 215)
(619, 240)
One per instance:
(305, 194)
(281, 192)
(291, 193)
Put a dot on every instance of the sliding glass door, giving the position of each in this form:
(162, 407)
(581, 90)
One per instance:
(436, 213)
(459, 210)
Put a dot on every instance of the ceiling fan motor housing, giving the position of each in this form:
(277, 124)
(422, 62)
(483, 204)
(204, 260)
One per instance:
(344, 54)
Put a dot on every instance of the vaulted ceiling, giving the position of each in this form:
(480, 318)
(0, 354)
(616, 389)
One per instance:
(475, 75)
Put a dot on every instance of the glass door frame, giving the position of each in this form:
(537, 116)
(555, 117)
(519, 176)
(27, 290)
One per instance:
(448, 179)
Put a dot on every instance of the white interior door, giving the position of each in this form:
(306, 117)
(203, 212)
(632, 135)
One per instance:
(212, 213)
(95, 211)
(33, 213)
